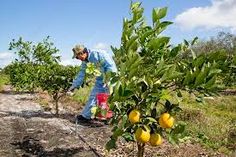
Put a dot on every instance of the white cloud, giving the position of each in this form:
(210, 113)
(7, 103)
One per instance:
(70, 62)
(5, 55)
(5, 58)
(220, 14)
(101, 46)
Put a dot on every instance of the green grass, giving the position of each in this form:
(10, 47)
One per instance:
(213, 123)
(4, 79)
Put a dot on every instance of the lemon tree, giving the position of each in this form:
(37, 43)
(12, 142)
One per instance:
(147, 90)
(37, 67)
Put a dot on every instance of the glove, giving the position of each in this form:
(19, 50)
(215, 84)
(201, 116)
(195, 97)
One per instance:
(71, 89)
(69, 93)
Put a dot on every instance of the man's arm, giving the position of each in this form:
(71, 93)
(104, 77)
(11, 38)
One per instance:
(79, 78)
(110, 65)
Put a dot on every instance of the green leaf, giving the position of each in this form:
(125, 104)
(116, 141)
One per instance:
(168, 105)
(193, 54)
(172, 139)
(131, 42)
(128, 136)
(154, 112)
(124, 120)
(153, 120)
(132, 58)
(174, 52)
(158, 13)
(200, 99)
(165, 94)
(201, 77)
(186, 42)
(120, 90)
(116, 133)
(179, 94)
(135, 5)
(103, 112)
(210, 83)
(198, 62)
(145, 35)
(111, 144)
(179, 129)
(164, 24)
(157, 43)
(194, 41)
(171, 74)
(214, 71)
(127, 93)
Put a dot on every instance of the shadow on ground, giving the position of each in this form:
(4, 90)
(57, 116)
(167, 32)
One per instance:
(27, 114)
(32, 146)
(10, 92)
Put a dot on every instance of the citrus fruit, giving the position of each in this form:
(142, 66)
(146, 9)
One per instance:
(142, 135)
(166, 121)
(155, 139)
(134, 116)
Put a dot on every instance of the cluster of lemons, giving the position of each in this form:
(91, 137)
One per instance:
(144, 136)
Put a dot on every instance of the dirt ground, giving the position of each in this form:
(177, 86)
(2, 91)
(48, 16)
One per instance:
(27, 130)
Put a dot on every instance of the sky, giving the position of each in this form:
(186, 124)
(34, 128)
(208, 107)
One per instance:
(98, 23)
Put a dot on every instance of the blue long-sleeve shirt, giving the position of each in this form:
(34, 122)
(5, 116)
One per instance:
(103, 59)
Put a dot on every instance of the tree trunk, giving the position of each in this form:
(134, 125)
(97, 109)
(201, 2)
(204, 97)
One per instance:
(140, 149)
(56, 100)
(57, 110)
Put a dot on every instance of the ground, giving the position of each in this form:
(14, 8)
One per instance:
(26, 130)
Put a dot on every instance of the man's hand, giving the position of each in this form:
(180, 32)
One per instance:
(69, 93)
(71, 89)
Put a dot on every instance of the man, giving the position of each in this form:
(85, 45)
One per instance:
(105, 62)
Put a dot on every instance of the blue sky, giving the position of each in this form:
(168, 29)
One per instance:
(98, 23)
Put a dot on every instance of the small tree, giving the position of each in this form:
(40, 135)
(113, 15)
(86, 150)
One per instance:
(24, 70)
(56, 79)
(37, 66)
(147, 91)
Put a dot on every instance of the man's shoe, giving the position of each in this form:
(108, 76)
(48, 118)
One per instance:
(81, 119)
(87, 122)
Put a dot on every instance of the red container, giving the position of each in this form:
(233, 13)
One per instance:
(102, 103)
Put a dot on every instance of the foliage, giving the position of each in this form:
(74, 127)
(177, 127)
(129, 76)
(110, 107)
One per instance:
(4, 79)
(24, 71)
(37, 66)
(42, 53)
(220, 49)
(56, 79)
(152, 74)
(212, 123)
(223, 41)
(23, 76)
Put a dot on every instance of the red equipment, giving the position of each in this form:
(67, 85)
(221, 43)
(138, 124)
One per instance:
(102, 104)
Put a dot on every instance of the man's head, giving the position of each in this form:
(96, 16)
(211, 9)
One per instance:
(80, 52)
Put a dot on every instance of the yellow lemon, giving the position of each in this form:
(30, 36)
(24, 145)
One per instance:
(142, 136)
(166, 121)
(155, 139)
(134, 116)
(162, 124)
